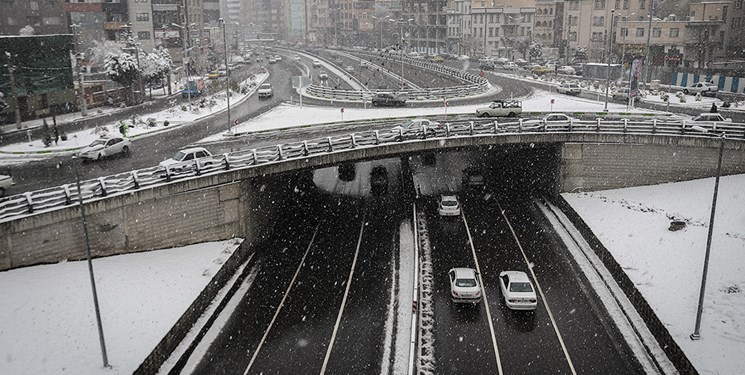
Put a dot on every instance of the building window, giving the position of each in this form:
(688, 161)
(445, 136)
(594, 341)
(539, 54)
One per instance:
(573, 21)
(674, 33)
(33, 5)
(143, 35)
(143, 17)
(642, 4)
(624, 32)
(574, 5)
(598, 21)
(618, 4)
(597, 36)
(625, 4)
(735, 23)
(491, 32)
(573, 36)
(738, 4)
(656, 33)
(599, 4)
(639, 32)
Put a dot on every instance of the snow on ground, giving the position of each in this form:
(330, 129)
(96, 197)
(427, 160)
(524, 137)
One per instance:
(289, 116)
(47, 320)
(175, 116)
(666, 266)
(405, 294)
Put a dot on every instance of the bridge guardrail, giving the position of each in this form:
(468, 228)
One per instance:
(21, 205)
(477, 85)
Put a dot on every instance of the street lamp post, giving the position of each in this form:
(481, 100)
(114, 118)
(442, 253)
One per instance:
(696, 335)
(647, 63)
(81, 79)
(183, 62)
(101, 339)
(227, 71)
(607, 57)
(135, 46)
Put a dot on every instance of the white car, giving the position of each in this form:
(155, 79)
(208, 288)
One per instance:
(323, 76)
(316, 64)
(296, 57)
(265, 91)
(566, 69)
(5, 183)
(569, 88)
(418, 124)
(464, 285)
(449, 205)
(105, 146)
(517, 290)
(510, 66)
(711, 117)
(349, 68)
(186, 155)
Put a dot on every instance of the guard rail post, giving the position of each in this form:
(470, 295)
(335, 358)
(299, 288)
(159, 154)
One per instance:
(331, 145)
(103, 186)
(68, 197)
(279, 152)
(29, 202)
(135, 179)
(225, 157)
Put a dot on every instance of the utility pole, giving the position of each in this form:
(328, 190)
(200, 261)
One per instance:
(647, 64)
(227, 70)
(81, 79)
(14, 90)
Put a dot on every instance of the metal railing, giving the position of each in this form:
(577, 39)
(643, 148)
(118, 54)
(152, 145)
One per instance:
(476, 85)
(29, 203)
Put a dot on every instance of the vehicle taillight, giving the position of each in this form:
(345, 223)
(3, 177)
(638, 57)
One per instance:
(533, 301)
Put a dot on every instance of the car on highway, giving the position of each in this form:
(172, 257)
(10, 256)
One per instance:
(473, 178)
(464, 285)
(417, 125)
(711, 117)
(323, 76)
(437, 59)
(541, 70)
(105, 147)
(566, 69)
(272, 60)
(449, 205)
(265, 91)
(364, 64)
(509, 65)
(296, 57)
(215, 74)
(517, 290)
(501, 108)
(379, 181)
(185, 155)
(5, 183)
(387, 99)
(569, 88)
(316, 63)
(349, 68)
(278, 58)
(704, 88)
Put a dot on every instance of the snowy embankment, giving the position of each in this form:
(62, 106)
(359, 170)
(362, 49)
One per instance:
(666, 266)
(47, 320)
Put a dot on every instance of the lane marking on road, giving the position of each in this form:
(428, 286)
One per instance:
(346, 294)
(282, 303)
(483, 292)
(540, 290)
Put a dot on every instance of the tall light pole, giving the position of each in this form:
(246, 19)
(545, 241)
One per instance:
(227, 71)
(647, 63)
(81, 83)
(607, 57)
(135, 46)
(184, 60)
(101, 339)
(696, 335)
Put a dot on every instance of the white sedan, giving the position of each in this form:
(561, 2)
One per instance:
(185, 155)
(449, 205)
(103, 147)
(569, 88)
(464, 285)
(417, 125)
(517, 290)
(5, 183)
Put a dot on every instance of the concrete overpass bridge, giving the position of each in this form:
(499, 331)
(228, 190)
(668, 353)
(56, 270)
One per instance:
(239, 194)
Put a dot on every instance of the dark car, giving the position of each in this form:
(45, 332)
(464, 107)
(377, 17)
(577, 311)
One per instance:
(346, 172)
(384, 99)
(379, 181)
(486, 65)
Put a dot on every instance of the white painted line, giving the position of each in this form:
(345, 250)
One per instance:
(483, 292)
(416, 316)
(540, 290)
(344, 300)
(281, 303)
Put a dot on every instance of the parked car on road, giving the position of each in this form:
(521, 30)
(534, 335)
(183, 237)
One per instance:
(621, 94)
(386, 99)
(5, 183)
(517, 290)
(703, 88)
(104, 147)
(569, 88)
(464, 285)
(417, 125)
(186, 155)
(438, 59)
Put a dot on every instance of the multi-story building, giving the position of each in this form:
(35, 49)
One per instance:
(548, 19)
(429, 25)
(96, 20)
(141, 23)
(707, 32)
(42, 17)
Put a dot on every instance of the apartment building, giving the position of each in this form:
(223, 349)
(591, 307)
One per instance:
(429, 25)
(43, 17)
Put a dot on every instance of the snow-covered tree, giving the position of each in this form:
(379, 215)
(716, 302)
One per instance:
(26, 31)
(535, 50)
(155, 67)
(97, 54)
(122, 69)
